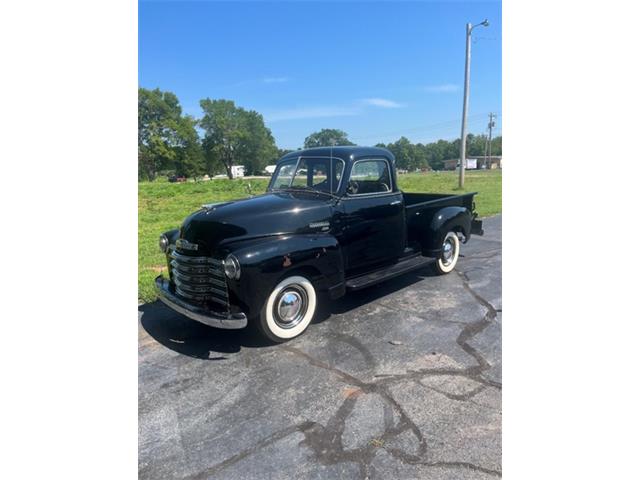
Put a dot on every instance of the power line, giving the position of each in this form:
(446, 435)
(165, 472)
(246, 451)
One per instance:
(428, 128)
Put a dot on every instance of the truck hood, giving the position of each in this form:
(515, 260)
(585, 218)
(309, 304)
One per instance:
(264, 215)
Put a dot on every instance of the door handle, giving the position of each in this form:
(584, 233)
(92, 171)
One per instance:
(395, 202)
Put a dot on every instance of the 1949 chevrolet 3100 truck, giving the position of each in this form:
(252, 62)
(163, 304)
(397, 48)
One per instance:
(332, 220)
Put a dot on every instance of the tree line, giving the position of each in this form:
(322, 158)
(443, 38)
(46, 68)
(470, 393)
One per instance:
(431, 156)
(227, 135)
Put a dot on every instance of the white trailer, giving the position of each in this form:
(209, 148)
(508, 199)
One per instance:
(237, 171)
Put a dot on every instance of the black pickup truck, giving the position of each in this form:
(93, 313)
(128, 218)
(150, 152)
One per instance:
(332, 220)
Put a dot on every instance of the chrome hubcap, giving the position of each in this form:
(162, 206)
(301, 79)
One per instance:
(448, 251)
(290, 307)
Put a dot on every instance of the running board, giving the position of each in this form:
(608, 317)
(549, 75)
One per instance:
(385, 273)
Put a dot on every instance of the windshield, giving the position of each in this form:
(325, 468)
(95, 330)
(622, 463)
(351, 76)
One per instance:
(308, 173)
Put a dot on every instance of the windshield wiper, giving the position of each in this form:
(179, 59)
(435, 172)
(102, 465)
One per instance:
(305, 188)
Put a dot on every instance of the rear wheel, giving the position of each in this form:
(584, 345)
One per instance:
(288, 310)
(448, 258)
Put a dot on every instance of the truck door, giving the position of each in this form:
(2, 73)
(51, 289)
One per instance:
(374, 223)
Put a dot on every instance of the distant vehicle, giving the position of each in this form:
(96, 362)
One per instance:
(177, 178)
(262, 260)
(270, 169)
(206, 178)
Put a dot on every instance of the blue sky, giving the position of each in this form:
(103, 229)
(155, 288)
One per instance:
(377, 70)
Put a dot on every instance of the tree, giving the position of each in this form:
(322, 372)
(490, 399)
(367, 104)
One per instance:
(408, 156)
(411, 156)
(283, 151)
(326, 138)
(435, 154)
(496, 146)
(235, 136)
(476, 144)
(190, 160)
(259, 147)
(166, 138)
(158, 117)
(401, 150)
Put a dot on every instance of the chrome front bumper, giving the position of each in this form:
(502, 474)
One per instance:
(208, 317)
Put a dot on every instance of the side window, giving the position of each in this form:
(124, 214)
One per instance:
(369, 176)
(320, 175)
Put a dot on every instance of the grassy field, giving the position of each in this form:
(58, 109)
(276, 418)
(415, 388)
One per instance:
(162, 206)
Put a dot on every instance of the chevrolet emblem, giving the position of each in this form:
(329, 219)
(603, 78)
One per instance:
(183, 244)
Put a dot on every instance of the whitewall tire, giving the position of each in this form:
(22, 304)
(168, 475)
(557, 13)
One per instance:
(289, 309)
(448, 258)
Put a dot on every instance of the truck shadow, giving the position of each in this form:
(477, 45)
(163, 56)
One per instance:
(188, 337)
(353, 300)
(191, 338)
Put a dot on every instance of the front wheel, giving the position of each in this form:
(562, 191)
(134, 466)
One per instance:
(289, 309)
(448, 258)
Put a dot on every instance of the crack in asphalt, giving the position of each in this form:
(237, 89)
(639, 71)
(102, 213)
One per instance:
(326, 440)
(476, 328)
(273, 438)
(463, 397)
(358, 345)
(470, 466)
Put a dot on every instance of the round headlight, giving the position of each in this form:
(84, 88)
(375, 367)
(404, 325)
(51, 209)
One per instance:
(163, 243)
(231, 267)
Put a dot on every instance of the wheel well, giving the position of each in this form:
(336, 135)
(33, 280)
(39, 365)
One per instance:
(460, 230)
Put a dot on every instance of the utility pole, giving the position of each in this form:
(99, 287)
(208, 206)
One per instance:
(486, 147)
(491, 125)
(465, 103)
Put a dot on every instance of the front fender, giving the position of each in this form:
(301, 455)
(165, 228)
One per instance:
(265, 261)
(172, 235)
(445, 220)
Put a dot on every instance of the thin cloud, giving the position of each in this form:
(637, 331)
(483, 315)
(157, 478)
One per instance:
(312, 112)
(327, 111)
(275, 79)
(382, 103)
(444, 88)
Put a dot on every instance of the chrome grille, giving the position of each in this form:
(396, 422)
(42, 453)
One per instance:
(199, 278)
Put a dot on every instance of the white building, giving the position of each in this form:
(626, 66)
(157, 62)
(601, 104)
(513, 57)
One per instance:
(237, 171)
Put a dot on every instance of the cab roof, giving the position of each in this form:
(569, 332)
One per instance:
(345, 153)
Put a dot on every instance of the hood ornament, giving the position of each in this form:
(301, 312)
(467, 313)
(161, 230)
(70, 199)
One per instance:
(210, 206)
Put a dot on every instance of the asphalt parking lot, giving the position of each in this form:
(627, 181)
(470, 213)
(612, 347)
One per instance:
(402, 380)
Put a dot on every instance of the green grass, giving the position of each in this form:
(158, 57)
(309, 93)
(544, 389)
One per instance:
(162, 206)
(487, 183)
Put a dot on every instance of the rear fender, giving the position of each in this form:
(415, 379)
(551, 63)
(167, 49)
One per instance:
(447, 219)
(265, 261)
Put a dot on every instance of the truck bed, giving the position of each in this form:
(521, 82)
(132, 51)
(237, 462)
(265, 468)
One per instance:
(414, 201)
(420, 209)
